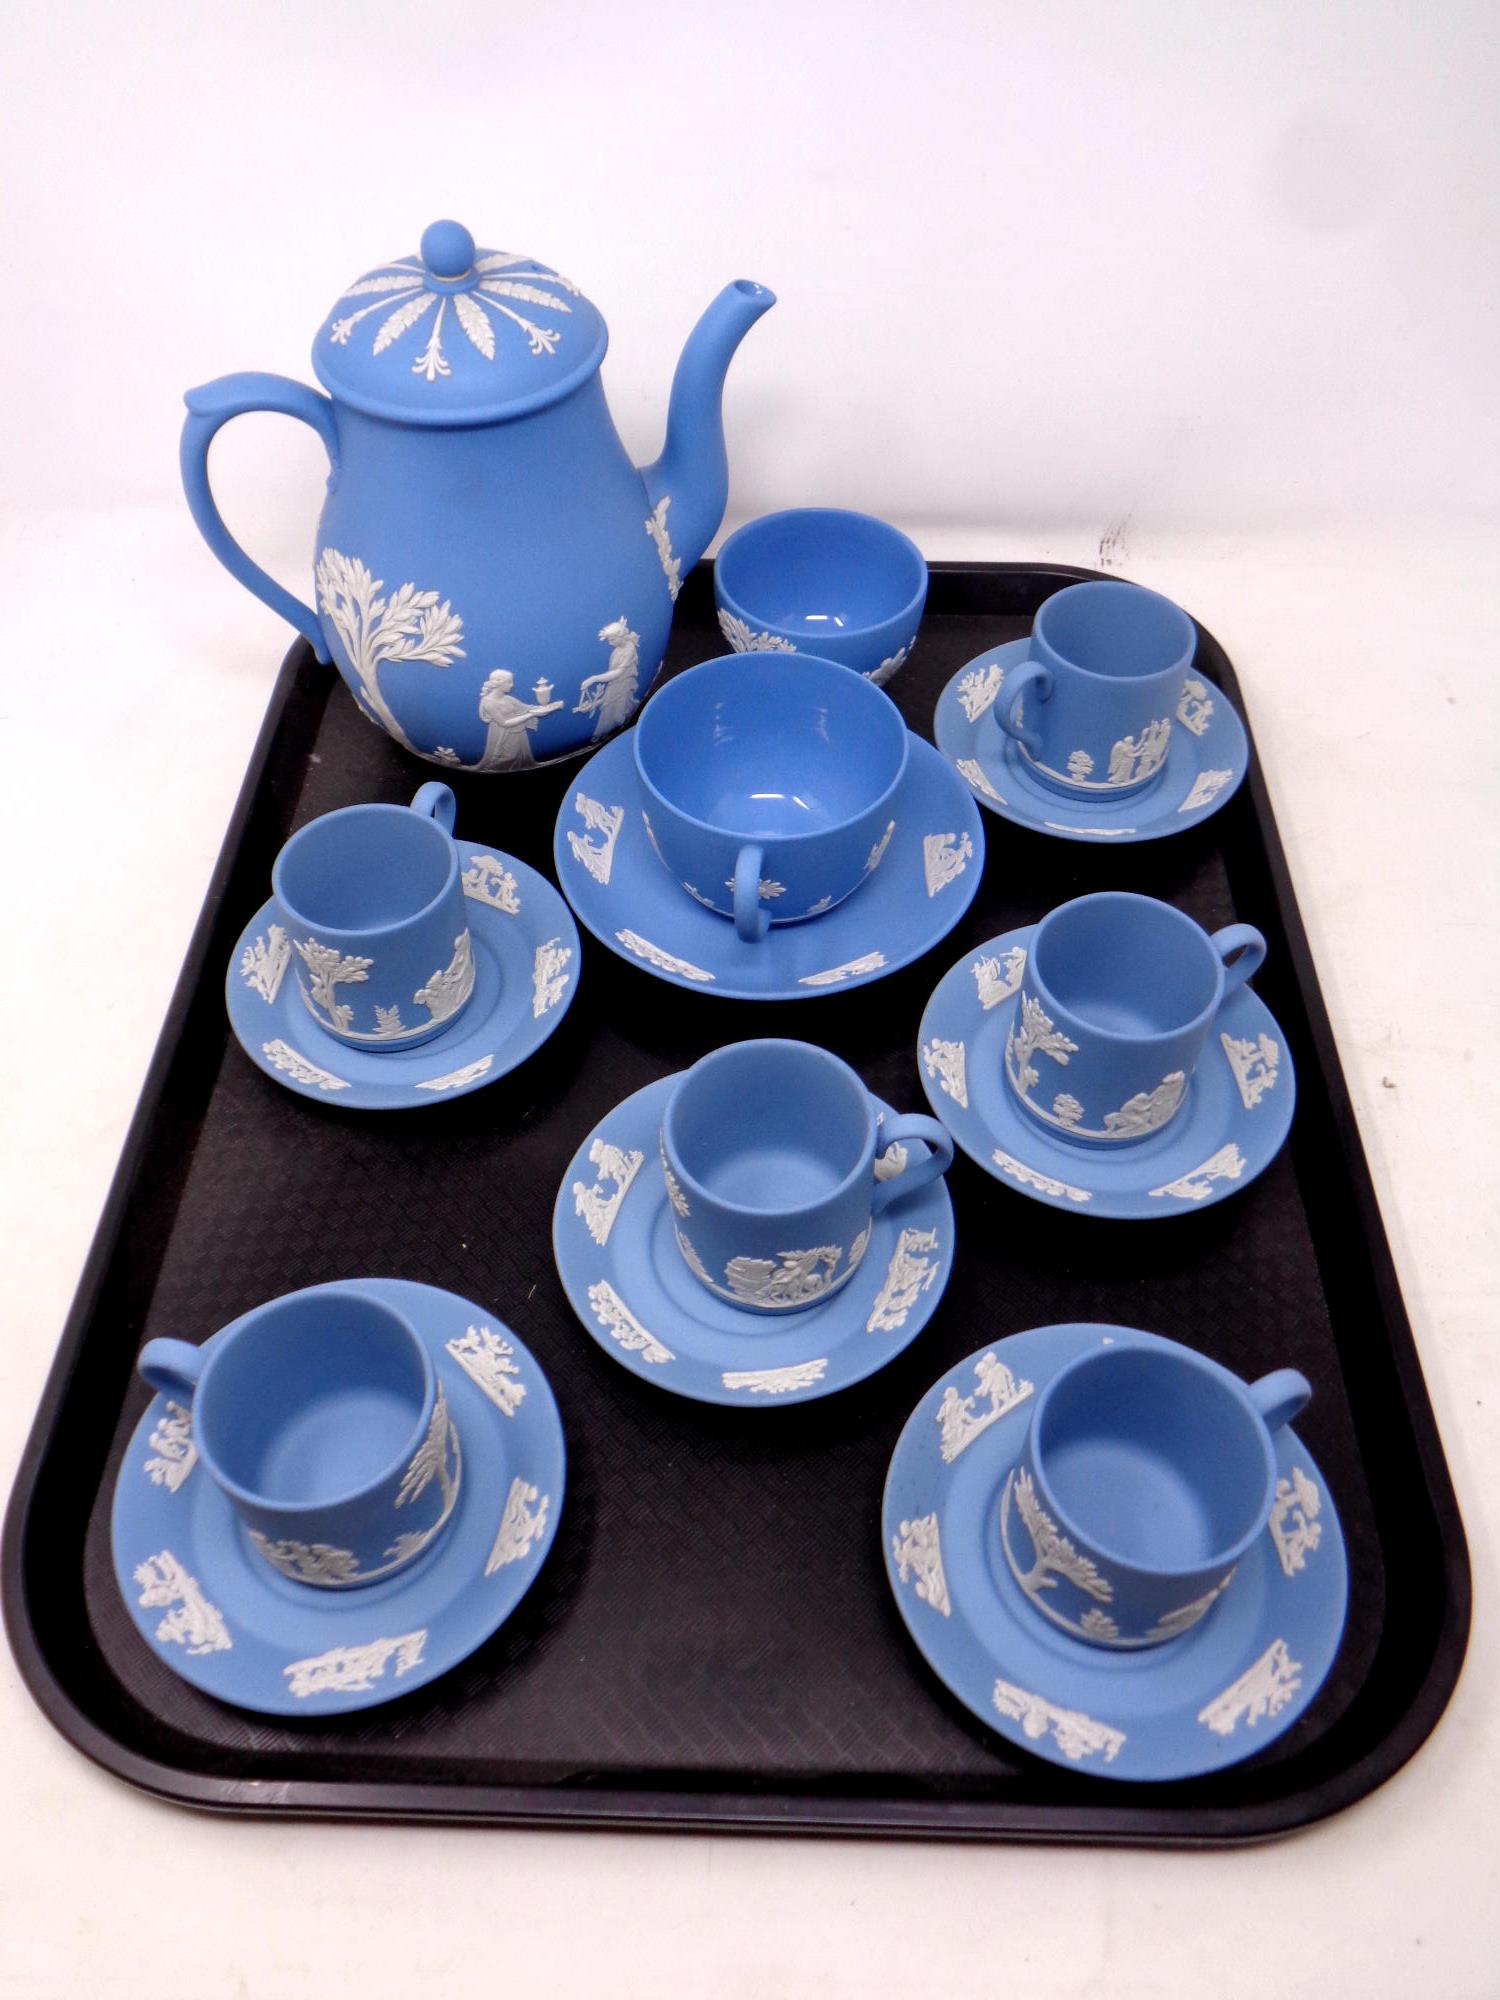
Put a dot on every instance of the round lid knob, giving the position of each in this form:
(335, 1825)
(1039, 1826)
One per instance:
(447, 250)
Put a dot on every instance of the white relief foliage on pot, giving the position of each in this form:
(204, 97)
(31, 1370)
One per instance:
(330, 969)
(656, 528)
(776, 1381)
(1080, 766)
(961, 1419)
(1098, 1626)
(978, 688)
(1225, 1165)
(853, 968)
(912, 1270)
(1253, 1064)
(191, 1621)
(693, 1261)
(622, 1326)
(1172, 1624)
(487, 880)
(944, 858)
(471, 309)
(522, 1526)
(1053, 1553)
(615, 1169)
(172, 1442)
(354, 1669)
(946, 1062)
(610, 695)
(549, 978)
(408, 627)
(281, 1055)
(1206, 788)
(263, 964)
(1094, 832)
(666, 961)
(1263, 1689)
(877, 853)
(1036, 1034)
(916, 1550)
(429, 1461)
(673, 1186)
(767, 890)
(891, 1162)
(388, 1023)
(1066, 1109)
(1077, 1735)
(972, 772)
(489, 1361)
(1043, 1183)
(455, 1079)
(1294, 1525)
(995, 979)
(1136, 757)
(446, 991)
(792, 1278)
(597, 856)
(1148, 1109)
(745, 640)
(1194, 705)
(308, 1562)
(881, 674)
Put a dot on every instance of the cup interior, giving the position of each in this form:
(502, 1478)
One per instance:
(315, 1401)
(769, 1126)
(363, 868)
(1116, 630)
(771, 745)
(1126, 965)
(1153, 1460)
(819, 570)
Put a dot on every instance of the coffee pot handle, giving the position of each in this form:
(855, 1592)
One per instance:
(751, 918)
(211, 407)
(1030, 673)
(172, 1367)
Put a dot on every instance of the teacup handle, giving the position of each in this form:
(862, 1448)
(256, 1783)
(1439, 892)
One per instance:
(1280, 1396)
(751, 918)
(172, 1367)
(938, 1159)
(1030, 673)
(1251, 946)
(435, 800)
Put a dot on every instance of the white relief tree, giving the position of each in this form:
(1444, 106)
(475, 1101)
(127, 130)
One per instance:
(1053, 1554)
(430, 1461)
(410, 626)
(1066, 1109)
(329, 969)
(1080, 766)
(1036, 1035)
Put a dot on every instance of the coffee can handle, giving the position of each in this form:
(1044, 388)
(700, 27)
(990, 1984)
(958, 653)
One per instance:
(1280, 1396)
(751, 919)
(1251, 946)
(435, 800)
(937, 1160)
(1031, 673)
(172, 1367)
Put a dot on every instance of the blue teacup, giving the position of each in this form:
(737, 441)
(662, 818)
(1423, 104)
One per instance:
(1116, 1002)
(320, 1418)
(770, 780)
(769, 1155)
(822, 580)
(1091, 707)
(1146, 1474)
(372, 905)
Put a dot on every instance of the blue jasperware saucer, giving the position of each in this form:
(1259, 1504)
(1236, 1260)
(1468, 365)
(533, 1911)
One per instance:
(525, 975)
(922, 884)
(625, 1279)
(219, 1615)
(1233, 1121)
(1206, 758)
(1224, 1690)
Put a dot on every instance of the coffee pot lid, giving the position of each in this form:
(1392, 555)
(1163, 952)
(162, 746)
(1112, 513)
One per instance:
(457, 335)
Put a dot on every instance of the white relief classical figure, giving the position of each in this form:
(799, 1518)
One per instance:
(1036, 1034)
(881, 674)
(1053, 1554)
(744, 640)
(1262, 1689)
(673, 1186)
(549, 976)
(264, 963)
(486, 880)
(597, 856)
(946, 1062)
(509, 721)
(522, 1525)
(793, 1278)
(281, 1055)
(1253, 1065)
(961, 1419)
(330, 969)
(1226, 1165)
(668, 961)
(944, 858)
(995, 979)
(191, 1622)
(852, 969)
(970, 770)
(1077, 1735)
(353, 1669)
(172, 1441)
(446, 991)
(656, 528)
(1294, 1525)
(877, 853)
(1206, 788)
(408, 627)
(775, 1381)
(621, 1324)
(1137, 757)
(978, 688)
(1043, 1183)
(912, 1270)
(917, 1550)
(1194, 706)
(308, 1562)
(490, 1364)
(455, 1079)
(600, 1204)
(1148, 1109)
(610, 695)
(891, 1162)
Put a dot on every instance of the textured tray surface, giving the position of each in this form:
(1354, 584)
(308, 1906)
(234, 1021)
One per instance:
(713, 1639)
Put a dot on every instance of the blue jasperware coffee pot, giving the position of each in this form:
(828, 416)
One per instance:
(494, 578)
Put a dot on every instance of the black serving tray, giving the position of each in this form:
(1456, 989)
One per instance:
(712, 1642)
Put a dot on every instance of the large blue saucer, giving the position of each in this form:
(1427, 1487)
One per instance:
(525, 975)
(1232, 1684)
(1206, 760)
(1233, 1121)
(637, 1299)
(230, 1624)
(924, 882)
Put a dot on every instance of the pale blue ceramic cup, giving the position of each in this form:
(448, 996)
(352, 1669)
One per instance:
(822, 580)
(1116, 1002)
(320, 1418)
(1146, 1474)
(770, 783)
(371, 904)
(769, 1152)
(1093, 703)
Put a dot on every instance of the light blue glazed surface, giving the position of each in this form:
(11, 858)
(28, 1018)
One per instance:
(525, 974)
(1228, 1687)
(613, 1241)
(1217, 1142)
(1205, 763)
(243, 1625)
(921, 885)
(823, 580)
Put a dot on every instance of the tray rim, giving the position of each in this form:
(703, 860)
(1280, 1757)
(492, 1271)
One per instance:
(711, 1808)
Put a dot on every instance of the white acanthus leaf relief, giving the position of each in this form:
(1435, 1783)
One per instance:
(1295, 1528)
(1066, 1109)
(172, 1442)
(1077, 1735)
(1263, 1689)
(522, 1526)
(1194, 706)
(430, 1460)
(1148, 1109)
(308, 1562)
(1206, 788)
(1172, 1624)
(745, 640)
(1253, 1064)
(944, 858)
(354, 1669)
(1225, 1165)
(281, 1055)
(675, 1194)
(792, 1278)
(978, 688)
(263, 964)
(853, 968)
(961, 1419)
(912, 1270)
(472, 310)
(1098, 1625)
(597, 856)
(667, 961)
(487, 880)
(1035, 1035)
(916, 1549)
(1053, 1554)
(881, 674)
(1080, 766)
(446, 991)
(776, 1381)
(408, 627)
(995, 979)
(622, 1326)
(455, 1079)
(610, 695)
(549, 977)
(388, 1023)
(972, 772)
(1136, 757)
(877, 852)
(330, 969)
(946, 1062)
(891, 1162)
(656, 528)
(490, 1364)
(599, 1204)
(191, 1622)
(1043, 1183)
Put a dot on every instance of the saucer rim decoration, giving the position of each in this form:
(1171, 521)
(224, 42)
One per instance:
(930, 860)
(1233, 1121)
(732, 1358)
(1210, 752)
(523, 932)
(219, 1616)
(1223, 1690)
